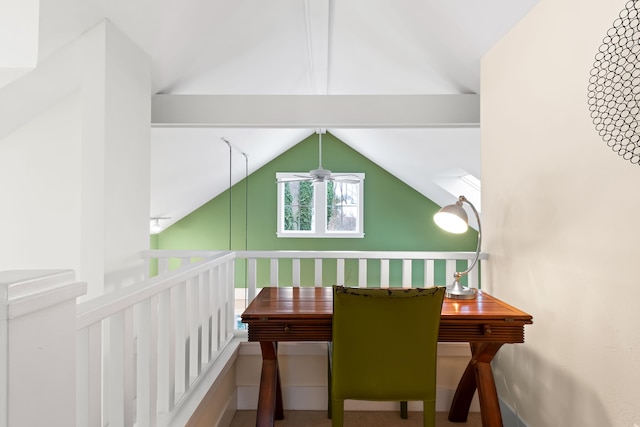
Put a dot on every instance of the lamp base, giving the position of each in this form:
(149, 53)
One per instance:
(457, 291)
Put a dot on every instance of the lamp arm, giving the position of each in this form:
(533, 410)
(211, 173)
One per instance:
(475, 260)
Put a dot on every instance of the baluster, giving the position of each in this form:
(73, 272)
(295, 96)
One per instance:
(273, 273)
(384, 273)
(146, 267)
(220, 326)
(205, 283)
(130, 372)
(318, 272)
(230, 299)
(195, 339)
(179, 298)
(211, 283)
(147, 363)
(340, 271)
(295, 272)
(166, 353)
(362, 273)
(450, 271)
(227, 310)
(89, 381)
(163, 265)
(222, 295)
(115, 370)
(252, 277)
(215, 304)
(406, 273)
(472, 276)
(429, 273)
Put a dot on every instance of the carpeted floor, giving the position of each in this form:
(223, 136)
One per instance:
(353, 419)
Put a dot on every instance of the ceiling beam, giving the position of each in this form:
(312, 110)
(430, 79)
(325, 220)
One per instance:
(316, 111)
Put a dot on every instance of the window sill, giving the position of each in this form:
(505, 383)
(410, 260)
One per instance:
(303, 235)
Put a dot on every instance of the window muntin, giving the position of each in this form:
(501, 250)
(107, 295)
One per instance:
(320, 209)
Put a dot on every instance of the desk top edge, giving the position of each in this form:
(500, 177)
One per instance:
(267, 306)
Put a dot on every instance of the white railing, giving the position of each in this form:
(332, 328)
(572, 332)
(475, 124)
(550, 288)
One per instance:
(146, 372)
(147, 354)
(140, 349)
(356, 268)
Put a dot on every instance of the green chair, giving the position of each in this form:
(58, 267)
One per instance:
(384, 347)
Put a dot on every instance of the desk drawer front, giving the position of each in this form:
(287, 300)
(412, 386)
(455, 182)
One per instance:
(481, 333)
(283, 331)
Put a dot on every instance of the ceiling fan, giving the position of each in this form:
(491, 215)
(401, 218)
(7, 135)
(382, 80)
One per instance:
(320, 174)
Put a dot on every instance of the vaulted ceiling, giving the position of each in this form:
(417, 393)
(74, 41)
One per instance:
(384, 76)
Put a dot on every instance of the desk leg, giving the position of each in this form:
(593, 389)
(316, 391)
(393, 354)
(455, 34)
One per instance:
(270, 397)
(478, 375)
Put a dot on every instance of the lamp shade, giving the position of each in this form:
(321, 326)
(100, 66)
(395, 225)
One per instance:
(452, 218)
(155, 226)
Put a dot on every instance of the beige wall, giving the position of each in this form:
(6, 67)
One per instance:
(560, 213)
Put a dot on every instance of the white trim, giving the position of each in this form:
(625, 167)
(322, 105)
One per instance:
(312, 235)
(215, 371)
(314, 398)
(319, 227)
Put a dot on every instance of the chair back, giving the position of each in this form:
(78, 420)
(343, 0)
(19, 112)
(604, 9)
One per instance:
(385, 343)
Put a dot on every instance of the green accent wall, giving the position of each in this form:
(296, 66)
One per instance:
(396, 217)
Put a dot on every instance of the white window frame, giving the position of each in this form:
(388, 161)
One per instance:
(320, 205)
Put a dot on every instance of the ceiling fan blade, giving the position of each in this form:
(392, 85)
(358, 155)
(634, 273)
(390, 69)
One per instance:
(348, 178)
(305, 177)
(296, 178)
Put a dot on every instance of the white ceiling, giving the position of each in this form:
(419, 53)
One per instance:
(299, 47)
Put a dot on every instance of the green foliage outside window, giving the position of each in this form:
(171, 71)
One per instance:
(298, 206)
(288, 208)
(331, 191)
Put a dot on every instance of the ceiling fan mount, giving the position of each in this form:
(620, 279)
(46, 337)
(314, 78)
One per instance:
(320, 174)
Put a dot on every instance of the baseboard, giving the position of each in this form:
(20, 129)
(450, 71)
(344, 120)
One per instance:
(227, 416)
(310, 398)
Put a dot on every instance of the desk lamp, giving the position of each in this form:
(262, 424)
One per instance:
(453, 218)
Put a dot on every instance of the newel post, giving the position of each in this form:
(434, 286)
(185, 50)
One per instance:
(38, 347)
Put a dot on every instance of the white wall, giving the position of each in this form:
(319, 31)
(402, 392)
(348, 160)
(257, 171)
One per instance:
(40, 192)
(74, 161)
(303, 372)
(116, 158)
(560, 213)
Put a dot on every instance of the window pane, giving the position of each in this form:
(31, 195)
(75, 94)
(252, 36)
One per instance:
(298, 206)
(342, 206)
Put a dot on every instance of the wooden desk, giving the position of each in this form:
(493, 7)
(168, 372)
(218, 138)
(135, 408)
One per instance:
(305, 314)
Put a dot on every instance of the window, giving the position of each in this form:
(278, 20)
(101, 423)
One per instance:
(320, 209)
(460, 182)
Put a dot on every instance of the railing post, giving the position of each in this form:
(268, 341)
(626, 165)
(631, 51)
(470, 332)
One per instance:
(38, 347)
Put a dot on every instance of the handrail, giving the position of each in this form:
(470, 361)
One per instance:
(102, 307)
(150, 342)
(141, 349)
(360, 254)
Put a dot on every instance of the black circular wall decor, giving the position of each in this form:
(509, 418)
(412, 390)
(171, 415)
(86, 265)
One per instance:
(614, 85)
